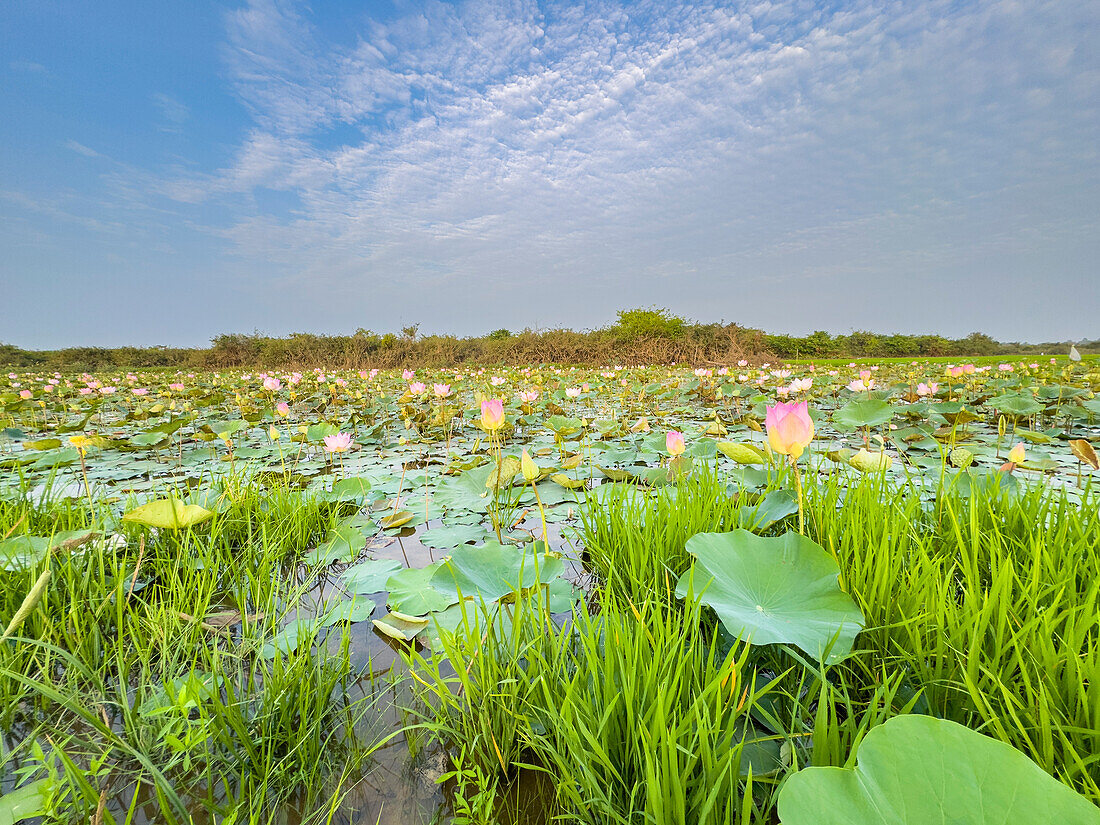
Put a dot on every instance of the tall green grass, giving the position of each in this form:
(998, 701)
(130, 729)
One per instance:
(981, 607)
(122, 691)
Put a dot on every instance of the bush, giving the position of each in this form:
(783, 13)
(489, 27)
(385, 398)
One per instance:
(635, 324)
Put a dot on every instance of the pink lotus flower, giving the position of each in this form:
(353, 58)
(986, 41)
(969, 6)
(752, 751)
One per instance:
(25, 394)
(573, 392)
(801, 385)
(496, 380)
(674, 443)
(86, 390)
(492, 414)
(283, 409)
(441, 390)
(272, 384)
(107, 390)
(927, 389)
(417, 388)
(176, 387)
(140, 391)
(861, 385)
(529, 397)
(408, 375)
(790, 428)
(339, 443)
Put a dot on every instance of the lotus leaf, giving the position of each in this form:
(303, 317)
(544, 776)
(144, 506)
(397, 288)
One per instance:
(918, 770)
(168, 514)
(773, 590)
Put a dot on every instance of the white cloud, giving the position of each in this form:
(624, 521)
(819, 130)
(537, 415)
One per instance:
(564, 159)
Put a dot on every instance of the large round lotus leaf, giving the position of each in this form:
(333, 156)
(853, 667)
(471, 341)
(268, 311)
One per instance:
(412, 591)
(21, 552)
(493, 571)
(168, 513)
(343, 543)
(776, 505)
(33, 799)
(449, 536)
(1015, 405)
(369, 576)
(863, 412)
(773, 590)
(918, 770)
(466, 491)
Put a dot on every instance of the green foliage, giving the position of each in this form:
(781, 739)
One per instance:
(636, 324)
(916, 769)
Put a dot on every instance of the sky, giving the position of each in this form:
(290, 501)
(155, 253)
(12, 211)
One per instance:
(173, 171)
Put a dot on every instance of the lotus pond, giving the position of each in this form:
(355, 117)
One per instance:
(552, 594)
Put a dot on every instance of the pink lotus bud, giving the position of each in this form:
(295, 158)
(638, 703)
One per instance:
(674, 443)
(492, 414)
(790, 428)
(1016, 454)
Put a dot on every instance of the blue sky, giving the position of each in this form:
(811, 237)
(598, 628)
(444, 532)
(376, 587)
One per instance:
(170, 171)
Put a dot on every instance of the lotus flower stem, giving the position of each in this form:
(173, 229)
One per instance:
(798, 491)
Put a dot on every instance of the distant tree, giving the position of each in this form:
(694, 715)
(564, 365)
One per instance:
(654, 322)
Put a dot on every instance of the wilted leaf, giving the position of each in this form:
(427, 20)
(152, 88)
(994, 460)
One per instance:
(168, 514)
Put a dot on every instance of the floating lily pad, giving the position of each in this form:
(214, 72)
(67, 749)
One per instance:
(353, 610)
(493, 571)
(369, 576)
(412, 591)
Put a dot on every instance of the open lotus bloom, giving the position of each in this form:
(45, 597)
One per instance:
(339, 443)
(790, 428)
